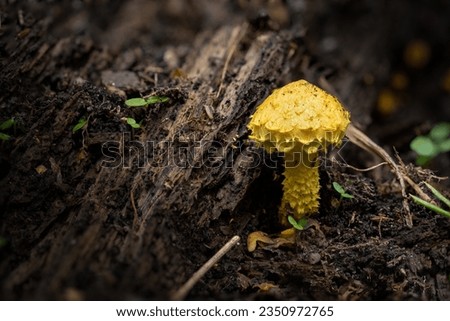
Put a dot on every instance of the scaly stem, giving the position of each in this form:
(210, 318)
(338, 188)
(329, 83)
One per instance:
(300, 188)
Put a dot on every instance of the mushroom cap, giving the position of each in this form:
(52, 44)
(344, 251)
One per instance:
(299, 117)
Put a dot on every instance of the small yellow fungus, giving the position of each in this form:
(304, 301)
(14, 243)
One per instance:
(299, 120)
(41, 169)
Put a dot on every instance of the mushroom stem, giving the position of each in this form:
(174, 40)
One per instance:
(300, 187)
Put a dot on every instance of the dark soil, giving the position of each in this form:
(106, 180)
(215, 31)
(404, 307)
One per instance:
(77, 222)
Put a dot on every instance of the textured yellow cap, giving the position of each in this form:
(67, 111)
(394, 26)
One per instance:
(299, 117)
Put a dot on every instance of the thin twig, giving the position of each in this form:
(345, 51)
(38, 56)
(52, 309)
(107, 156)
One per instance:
(364, 169)
(182, 292)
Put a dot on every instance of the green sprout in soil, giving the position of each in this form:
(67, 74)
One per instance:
(436, 142)
(132, 122)
(433, 207)
(7, 124)
(144, 102)
(298, 225)
(81, 124)
(338, 188)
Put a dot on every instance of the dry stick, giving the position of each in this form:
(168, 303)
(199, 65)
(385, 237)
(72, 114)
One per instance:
(360, 139)
(419, 192)
(364, 169)
(411, 183)
(184, 290)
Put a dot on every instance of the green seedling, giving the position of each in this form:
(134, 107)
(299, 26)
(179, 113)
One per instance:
(7, 124)
(298, 225)
(338, 188)
(436, 142)
(433, 207)
(144, 102)
(132, 122)
(81, 124)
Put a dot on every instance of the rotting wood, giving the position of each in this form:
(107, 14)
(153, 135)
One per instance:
(262, 60)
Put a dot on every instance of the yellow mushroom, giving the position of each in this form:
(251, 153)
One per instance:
(299, 120)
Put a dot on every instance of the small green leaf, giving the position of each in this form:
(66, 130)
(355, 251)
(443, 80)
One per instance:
(132, 122)
(338, 188)
(4, 136)
(81, 123)
(144, 102)
(440, 131)
(424, 146)
(2, 242)
(444, 146)
(302, 222)
(300, 225)
(136, 102)
(292, 221)
(422, 160)
(156, 99)
(7, 124)
(346, 195)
